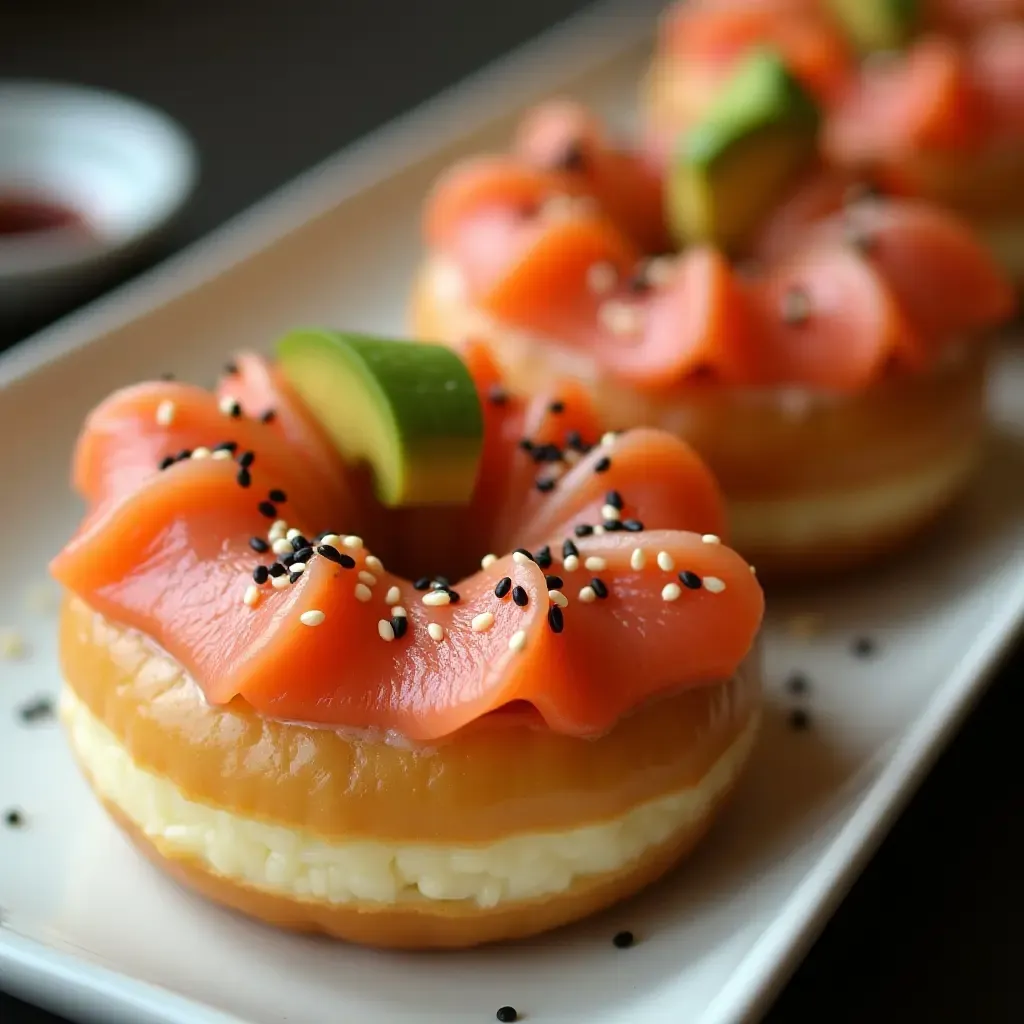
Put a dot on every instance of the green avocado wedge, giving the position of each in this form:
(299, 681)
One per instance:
(411, 411)
(878, 24)
(732, 166)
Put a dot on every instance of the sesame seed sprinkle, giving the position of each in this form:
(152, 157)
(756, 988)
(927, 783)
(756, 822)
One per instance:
(583, 530)
(229, 406)
(435, 631)
(553, 582)
(690, 580)
(352, 542)
(165, 413)
(543, 557)
(385, 630)
(292, 534)
(545, 486)
(665, 561)
(638, 559)
(399, 612)
(482, 623)
(632, 525)
(201, 452)
(502, 587)
(259, 545)
(400, 625)
(374, 563)
(609, 513)
(280, 582)
(569, 548)
(436, 598)
(603, 464)
(711, 538)
(520, 596)
(367, 577)
(614, 499)
(599, 587)
(243, 478)
(521, 557)
(332, 554)
(557, 597)
(312, 618)
(246, 459)
(555, 619)
(517, 641)
(393, 596)
(671, 592)
(485, 563)
(571, 563)
(298, 568)
(587, 595)
(363, 592)
(251, 596)
(608, 438)
(281, 546)
(220, 454)
(277, 495)
(713, 584)
(330, 540)
(595, 563)
(260, 574)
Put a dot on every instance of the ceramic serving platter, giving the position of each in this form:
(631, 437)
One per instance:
(890, 662)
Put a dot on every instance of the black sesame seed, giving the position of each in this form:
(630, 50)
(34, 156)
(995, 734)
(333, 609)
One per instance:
(520, 596)
(554, 582)
(268, 416)
(268, 509)
(599, 587)
(613, 525)
(575, 441)
(622, 940)
(453, 595)
(863, 647)
(797, 683)
(231, 369)
(304, 554)
(555, 619)
(258, 544)
(167, 460)
(277, 569)
(299, 542)
(543, 557)
(546, 453)
(260, 574)
(15, 819)
(277, 495)
(438, 585)
(507, 1015)
(796, 306)
(503, 586)
(332, 554)
(38, 710)
(557, 407)
(524, 551)
(294, 577)
(525, 444)
(632, 525)
(443, 581)
(545, 486)
(244, 478)
(226, 446)
(603, 464)
(614, 499)
(583, 530)
(423, 583)
(234, 410)
(185, 453)
(799, 719)
(572, 158)
(289, 560)
(246, 459)
(399, 623)
(497, 395)
(689, 579)
(568, 548)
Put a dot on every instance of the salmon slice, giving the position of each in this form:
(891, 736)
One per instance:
(564, 135)
(945, 281)
(997, 71)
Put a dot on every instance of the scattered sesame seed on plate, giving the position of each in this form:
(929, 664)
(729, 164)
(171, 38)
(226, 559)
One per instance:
(711, 538)
(280, 582)
(713, 584)
(393, 596)
(312, 618)
(487, 561)
(520, 559)
(363, 592)
(165, 413)
(671, 592)
(251, 596)
(587, 594)
(435, 631)
(517, 641)
(353, 542)
(292, 533)
(638, 559)
(297, 567)
(595, 564)
(385, 630)
(367, 577)
(482, 623)
(281, 546)
(610, 512)
(331, 540)
(229, 406)
(398, 612)
(220, 454)
(557, 597)
(374, 563)
(436, 598)
(201, 452)
(665, 561)
(571, 563)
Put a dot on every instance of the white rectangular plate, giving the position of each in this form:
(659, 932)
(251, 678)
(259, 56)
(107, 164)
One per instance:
(91, 929)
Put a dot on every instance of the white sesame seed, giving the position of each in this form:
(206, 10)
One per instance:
(312, 618)
(666, 561)
(558, 598)
(601, 277)
(221, 455)
(293, 533)
(252, 595)
(482, 622)
(374, 563)
(595, 564)
(362, 592)
(609, 438)
(279, 582)
(571, 563)
(436, 598)
(519, 558)
(385, 630)
(670, 592)
(393, 596)
(353, 542)
(331, 540)
(610, 512)
(711, 538)
(517, 641)
(487, 561)
(570, 456)
(200, 453)
(753, 571)
(281, 546)
(436, 631)
(638, 559)
(713, 584)
(398, 612)
(278, 528)
(598, 531)
(367, 577)
(165, 413)
(587, 594)
(227, 404)
(620, 318)
(297, 567)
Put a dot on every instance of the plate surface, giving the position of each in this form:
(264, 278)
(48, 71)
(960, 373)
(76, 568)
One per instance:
(94, 932)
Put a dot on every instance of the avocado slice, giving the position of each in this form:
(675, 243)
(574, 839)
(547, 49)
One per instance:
(878, 24)
(411, 411)
(733, 164)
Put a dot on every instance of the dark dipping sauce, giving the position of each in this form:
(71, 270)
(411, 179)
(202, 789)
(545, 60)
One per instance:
(26, 215)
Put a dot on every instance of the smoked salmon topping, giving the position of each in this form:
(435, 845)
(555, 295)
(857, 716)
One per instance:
(848, 287)
(569, 584)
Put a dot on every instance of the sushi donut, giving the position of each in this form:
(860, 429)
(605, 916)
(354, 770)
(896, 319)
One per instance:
(390, 755)
(834, 385)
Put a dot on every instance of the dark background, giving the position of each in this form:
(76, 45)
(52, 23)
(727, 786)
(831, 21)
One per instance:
(933, 929)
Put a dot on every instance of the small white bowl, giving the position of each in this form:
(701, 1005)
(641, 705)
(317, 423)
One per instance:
(124, 168)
